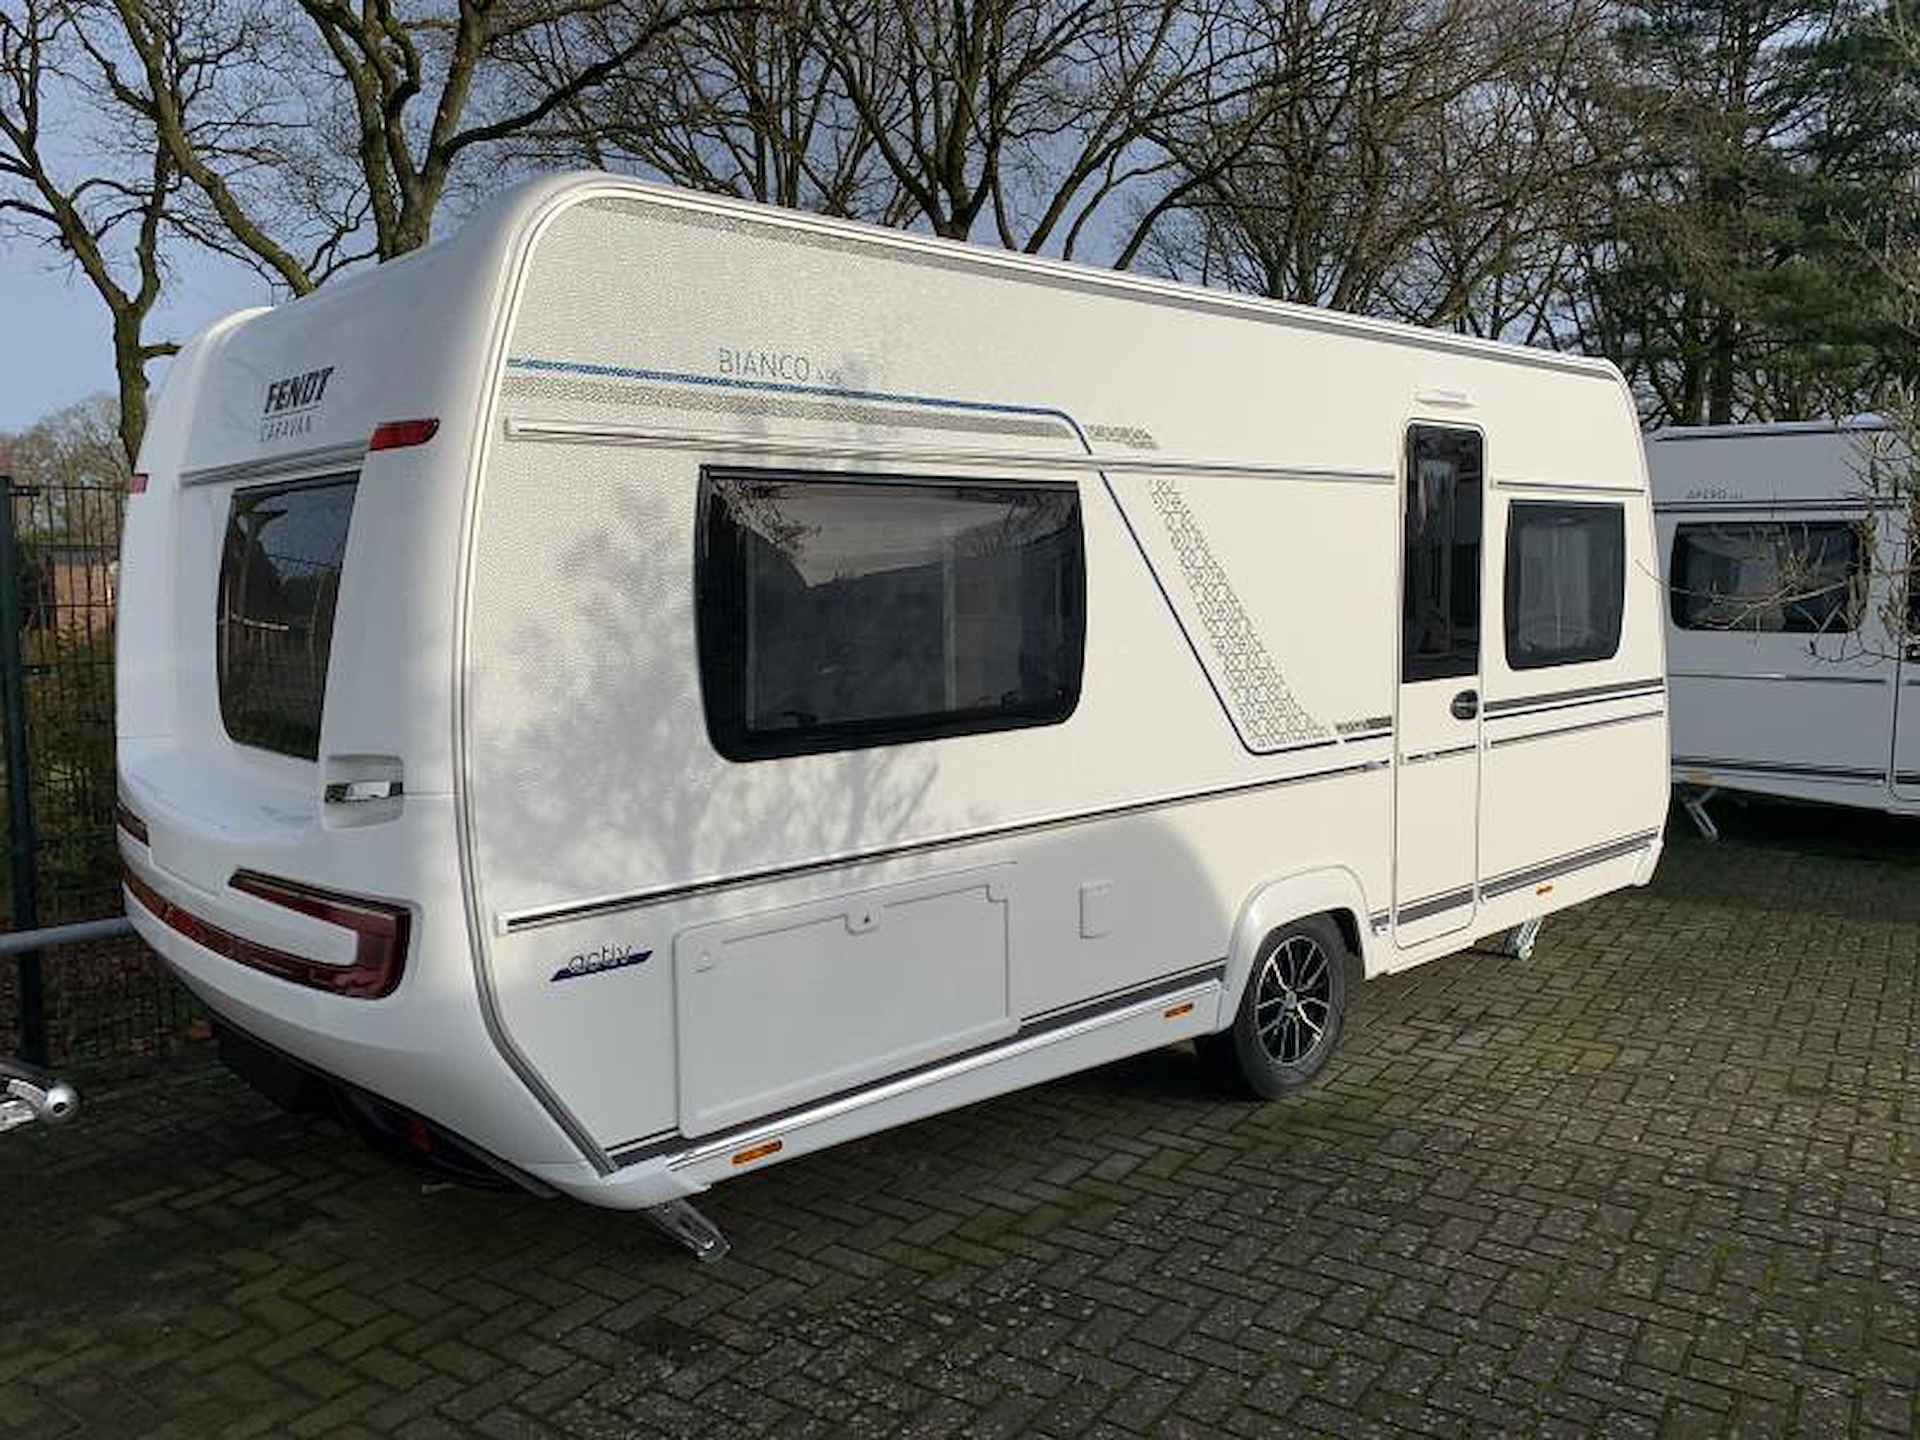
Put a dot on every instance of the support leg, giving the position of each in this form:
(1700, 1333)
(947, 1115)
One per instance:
(1521, 939)
(680, 1220)
(1694, 802)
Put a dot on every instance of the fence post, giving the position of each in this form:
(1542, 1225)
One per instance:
(25, 847)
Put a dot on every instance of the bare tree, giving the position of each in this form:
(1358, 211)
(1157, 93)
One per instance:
(110, 224)
(742, 104)
(1512, 167)
(1040, 118)
(351, 127)
(1399, 156)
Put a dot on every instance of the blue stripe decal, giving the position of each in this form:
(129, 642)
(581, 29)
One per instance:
(722, 382)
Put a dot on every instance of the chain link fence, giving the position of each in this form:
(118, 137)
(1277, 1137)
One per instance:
(96, 1004)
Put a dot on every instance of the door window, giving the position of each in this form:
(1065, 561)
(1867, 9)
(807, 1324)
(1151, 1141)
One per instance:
(1440, 610)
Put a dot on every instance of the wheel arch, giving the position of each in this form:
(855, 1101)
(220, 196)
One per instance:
(1333, 891)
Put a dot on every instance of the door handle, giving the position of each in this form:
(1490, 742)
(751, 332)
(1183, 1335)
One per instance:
(1465, 705)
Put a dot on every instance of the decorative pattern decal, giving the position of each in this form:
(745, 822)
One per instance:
(1263, 707)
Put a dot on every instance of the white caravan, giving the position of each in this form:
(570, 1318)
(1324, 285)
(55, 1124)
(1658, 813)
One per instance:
(1783, 551)
(653, 686)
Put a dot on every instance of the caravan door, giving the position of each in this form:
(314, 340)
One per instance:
(1437, 771)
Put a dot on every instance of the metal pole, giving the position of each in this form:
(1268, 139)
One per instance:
(25, 847)
(80, 933)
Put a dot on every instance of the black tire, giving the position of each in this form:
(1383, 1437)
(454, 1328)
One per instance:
(1291, 1012)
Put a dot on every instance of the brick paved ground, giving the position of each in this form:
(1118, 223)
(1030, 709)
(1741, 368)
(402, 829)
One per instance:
(1662, 1179)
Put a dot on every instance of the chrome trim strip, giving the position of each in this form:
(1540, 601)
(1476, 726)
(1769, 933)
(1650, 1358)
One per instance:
(1122, 995)
(758, 1131)
(1764, 767)
(323, 457)
(1779, 675)
(359, 792)
(1566, 864)
(1433, 905)
(1426, 755)
(1624, 689)
(1847, 504)
(1569, 487)
(512, 922)
(575, 431)
(1866, 425)
(1574, 729)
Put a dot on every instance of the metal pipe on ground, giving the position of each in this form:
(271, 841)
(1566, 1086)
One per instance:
(21, 942)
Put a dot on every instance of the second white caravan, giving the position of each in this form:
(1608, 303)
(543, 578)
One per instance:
(1793, 672)
(653, 686)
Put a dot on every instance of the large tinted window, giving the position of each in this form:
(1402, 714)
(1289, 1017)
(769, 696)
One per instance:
(1566, 583)
(1796, 577)
(279, 579)
(837, 613)
(1440, 611)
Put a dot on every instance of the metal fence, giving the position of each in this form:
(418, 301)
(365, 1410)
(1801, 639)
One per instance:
(91, 1003)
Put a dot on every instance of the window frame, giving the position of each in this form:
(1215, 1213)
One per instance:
(1510, 586)
(1859, 569)
(717, 635)
(336, 479)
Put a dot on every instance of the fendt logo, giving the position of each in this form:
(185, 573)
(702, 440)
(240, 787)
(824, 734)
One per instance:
(298, 392)
(596, 962)
(291, 403)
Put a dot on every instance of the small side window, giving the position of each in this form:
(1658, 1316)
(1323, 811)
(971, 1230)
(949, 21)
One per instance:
(837, 612)
(1768, 577)
(1566, 583)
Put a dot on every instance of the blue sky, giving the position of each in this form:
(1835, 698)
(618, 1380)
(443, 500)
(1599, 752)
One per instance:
(54, 340)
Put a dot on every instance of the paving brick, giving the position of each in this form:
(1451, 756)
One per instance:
(1657, 1180)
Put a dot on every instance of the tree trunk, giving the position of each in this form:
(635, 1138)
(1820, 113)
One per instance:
(130, 370)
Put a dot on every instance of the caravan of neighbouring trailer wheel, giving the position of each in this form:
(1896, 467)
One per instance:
(695, 683)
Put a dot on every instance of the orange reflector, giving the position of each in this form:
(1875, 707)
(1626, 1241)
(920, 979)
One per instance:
(403, 434)
(758, 1152)
(1542, 889)
(1177, 1011)
(138, 486)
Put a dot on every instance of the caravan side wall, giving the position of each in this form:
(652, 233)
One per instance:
(1242, 533)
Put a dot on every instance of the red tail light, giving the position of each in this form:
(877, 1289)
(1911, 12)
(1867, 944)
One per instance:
(380, 952)
(403, 434)
(129, 822)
